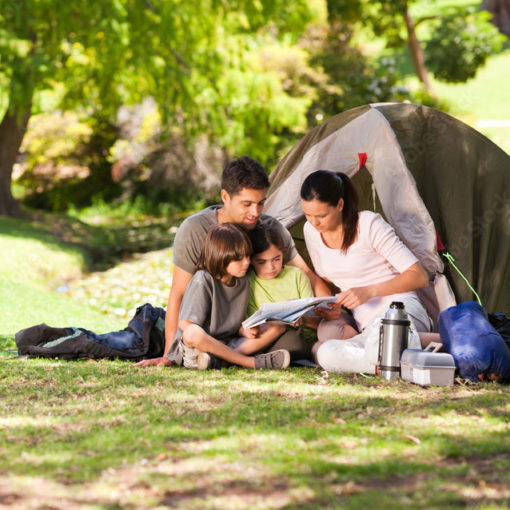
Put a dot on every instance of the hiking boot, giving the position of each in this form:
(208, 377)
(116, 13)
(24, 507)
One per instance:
(273, 359)
(206, 361)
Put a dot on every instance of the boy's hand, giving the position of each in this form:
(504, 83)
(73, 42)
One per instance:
(249, 333)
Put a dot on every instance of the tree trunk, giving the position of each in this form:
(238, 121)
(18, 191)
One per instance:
(416, 52)
(12, 130)
(500, 10)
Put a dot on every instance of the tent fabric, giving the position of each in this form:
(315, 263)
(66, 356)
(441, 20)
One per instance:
(425, 172)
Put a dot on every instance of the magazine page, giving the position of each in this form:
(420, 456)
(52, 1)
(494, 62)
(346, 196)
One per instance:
(286, 312)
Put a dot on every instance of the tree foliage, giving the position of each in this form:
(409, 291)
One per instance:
(460, 45)
(460, 40)
(189, 55)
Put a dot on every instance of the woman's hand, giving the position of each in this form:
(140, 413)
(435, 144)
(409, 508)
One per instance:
(354, 297)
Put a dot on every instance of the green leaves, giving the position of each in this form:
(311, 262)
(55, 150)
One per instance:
(461, 44)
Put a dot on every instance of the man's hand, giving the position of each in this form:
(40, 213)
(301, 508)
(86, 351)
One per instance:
(160, 362)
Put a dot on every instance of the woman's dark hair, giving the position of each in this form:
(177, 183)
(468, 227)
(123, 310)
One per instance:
(224, 243)
(329, 187)
(263, 236)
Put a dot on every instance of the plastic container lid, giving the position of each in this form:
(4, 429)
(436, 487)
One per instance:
(427, 359)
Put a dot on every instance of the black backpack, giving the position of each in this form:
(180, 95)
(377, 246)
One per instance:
(144, 337)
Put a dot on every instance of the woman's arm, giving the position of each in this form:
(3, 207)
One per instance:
(415, 277)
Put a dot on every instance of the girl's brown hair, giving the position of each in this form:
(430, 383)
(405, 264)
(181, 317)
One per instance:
(263, 236)
(224, 243)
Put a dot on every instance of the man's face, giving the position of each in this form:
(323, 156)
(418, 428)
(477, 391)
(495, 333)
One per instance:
(244, 208)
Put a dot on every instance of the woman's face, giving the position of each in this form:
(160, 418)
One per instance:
(268, 264)
(322, 216)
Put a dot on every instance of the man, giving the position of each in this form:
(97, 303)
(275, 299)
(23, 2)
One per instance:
(244, 186)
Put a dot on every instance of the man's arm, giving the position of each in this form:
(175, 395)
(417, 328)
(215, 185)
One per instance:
(318, 285)
(180, 281)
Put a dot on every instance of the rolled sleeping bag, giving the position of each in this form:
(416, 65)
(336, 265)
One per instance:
(476, 346)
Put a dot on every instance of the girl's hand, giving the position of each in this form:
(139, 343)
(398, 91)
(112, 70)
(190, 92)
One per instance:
(354, 297)
(329, 313)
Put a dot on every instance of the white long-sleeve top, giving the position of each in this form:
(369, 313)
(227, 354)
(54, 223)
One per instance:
(377, 255)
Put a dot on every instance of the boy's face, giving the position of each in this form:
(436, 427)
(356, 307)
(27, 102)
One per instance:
(244, 208)
(238, 268)
(269, 263)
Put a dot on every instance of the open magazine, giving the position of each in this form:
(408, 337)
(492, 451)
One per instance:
(286, 312)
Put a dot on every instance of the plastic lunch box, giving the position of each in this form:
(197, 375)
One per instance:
(427, 367)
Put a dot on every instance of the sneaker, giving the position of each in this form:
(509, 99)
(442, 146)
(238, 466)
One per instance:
(207, 361)
(273, 359)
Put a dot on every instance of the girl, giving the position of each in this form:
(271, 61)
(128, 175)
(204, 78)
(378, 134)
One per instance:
(271, 281)
(214, 306)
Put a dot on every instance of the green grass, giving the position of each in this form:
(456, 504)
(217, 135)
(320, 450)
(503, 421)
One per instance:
(49, 251)
(107, 435)
(33, 265)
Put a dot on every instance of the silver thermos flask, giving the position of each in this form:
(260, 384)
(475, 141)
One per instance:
(393, 339)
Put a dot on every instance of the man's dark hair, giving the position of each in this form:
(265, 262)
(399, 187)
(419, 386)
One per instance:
(243, 172)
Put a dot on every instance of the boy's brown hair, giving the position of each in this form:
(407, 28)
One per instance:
(224, 243)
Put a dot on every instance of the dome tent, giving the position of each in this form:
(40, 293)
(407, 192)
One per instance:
(426, 173)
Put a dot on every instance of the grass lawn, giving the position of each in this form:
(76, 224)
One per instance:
(51, 252)
(106, 435)
(33, 264)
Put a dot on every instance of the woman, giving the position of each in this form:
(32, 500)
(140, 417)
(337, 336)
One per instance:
(360, 254)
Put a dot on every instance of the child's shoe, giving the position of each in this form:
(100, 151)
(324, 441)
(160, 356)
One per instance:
(205, 361)
(274, 359)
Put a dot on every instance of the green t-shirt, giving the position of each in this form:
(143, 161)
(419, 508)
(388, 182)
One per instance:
(291, 284)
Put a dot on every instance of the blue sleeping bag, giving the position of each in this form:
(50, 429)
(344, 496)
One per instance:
(475, 345)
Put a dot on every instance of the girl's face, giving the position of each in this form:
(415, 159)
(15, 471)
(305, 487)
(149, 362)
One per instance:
(237, 268)
(322, 216)
(269, 263)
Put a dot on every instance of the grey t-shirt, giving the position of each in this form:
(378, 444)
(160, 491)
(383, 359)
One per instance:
(216, 307)
(191, 235)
